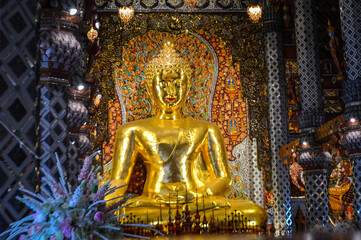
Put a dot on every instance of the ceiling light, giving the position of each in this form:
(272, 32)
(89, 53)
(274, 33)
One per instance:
(92, 34)
(126, 14)
(254, 13)
(73, 11)
(97, 25)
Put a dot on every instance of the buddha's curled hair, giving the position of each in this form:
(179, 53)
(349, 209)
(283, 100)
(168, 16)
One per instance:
(168, 59)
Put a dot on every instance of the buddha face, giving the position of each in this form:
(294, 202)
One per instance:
(169, 89)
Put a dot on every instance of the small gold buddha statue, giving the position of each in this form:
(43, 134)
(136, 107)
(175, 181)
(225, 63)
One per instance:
(185, 159)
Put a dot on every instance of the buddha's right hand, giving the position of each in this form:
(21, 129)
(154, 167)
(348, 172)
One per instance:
(180, 196)
(171, 197)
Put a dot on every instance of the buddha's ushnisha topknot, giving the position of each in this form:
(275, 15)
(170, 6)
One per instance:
(169, 59)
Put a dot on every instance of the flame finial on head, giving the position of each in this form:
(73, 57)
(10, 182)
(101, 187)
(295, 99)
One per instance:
(168, 43)
(169, 59)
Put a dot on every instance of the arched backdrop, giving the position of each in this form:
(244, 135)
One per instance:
(220, 88)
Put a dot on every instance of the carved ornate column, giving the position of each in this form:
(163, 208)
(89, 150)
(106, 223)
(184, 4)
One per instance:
(59, 53)
(311, 115)
(315, 163)
(350, 22)
(312, 159)
(256, 188)
(77, 116)
(278, 121)
(352, 142)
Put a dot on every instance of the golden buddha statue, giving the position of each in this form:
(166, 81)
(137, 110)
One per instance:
(185, 159)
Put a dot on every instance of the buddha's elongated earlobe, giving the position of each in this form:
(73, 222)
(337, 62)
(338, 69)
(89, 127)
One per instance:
(187, 81)
(148, 87)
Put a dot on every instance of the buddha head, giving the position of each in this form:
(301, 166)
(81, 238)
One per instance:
(168, 78)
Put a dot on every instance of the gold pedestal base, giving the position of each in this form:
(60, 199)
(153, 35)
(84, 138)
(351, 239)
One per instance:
(244, 212)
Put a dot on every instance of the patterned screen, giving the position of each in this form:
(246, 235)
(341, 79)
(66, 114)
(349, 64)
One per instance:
(17, 94)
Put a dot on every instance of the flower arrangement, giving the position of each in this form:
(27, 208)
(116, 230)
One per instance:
(61, 214)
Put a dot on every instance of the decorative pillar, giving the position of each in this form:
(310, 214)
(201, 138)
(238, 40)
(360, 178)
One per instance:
(59, 52)
(350, 23)
(77, 116)
(312, 159)
(352, 142)
(256, 178)
(278, 119)
(311, 115)
(315, 163)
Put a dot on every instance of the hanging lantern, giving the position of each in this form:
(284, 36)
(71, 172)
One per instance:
(190, 4)
(254, 13)
(126, 14)
(92, 34)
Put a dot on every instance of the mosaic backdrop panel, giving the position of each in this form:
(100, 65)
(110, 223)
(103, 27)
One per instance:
(134, 102)
(130, 75)
(222, 83)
